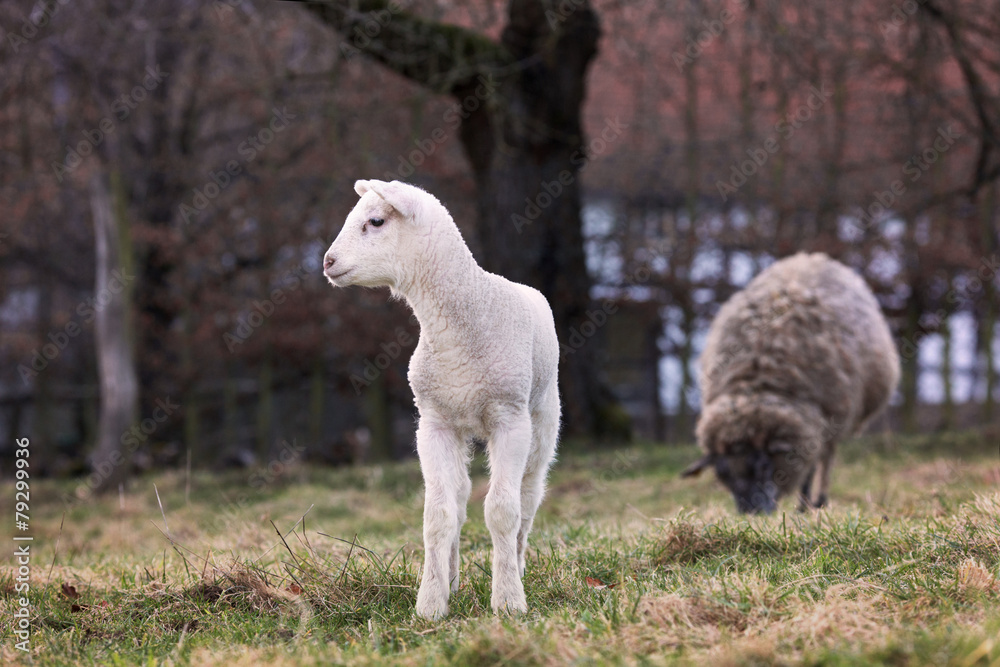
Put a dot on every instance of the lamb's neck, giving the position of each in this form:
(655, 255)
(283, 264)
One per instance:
(448, 294)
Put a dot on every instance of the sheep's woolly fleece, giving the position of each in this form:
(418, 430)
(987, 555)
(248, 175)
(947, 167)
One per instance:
(802, 355)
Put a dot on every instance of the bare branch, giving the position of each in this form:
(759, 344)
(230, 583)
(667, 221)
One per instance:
(445, 58)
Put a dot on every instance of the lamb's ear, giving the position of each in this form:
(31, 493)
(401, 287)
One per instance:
(398, 195)
(361, 187)
(695, 468)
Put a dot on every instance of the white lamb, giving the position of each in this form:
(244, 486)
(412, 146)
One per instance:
(485, 367)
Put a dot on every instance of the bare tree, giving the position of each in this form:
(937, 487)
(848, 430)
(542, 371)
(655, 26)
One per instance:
(520, 101)
(119, 385)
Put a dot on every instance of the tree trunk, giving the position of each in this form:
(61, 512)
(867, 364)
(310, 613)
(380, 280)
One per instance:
(378, 410)
(683, 424)
(42, 401)
(654, 355)
(230, 412)
(987, 328)
(119, 388)
(987, 319)
(529, 193)
(265, 407)
(316, 402)
(911, 362)
(523, 137)
(947, 421)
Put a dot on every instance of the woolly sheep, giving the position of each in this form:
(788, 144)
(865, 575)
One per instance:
(484, 368)
(799, 359)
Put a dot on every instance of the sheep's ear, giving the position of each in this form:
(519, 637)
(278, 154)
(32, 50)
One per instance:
(695, 468)
(398, 195)
(361, 187)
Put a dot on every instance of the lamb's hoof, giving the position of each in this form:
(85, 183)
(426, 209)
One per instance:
(431, 613)
(511, 607)
(430, 608)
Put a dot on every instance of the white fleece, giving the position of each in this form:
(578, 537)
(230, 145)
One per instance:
(485, 367)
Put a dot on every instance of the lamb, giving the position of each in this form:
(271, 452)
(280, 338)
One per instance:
(485, 368)
(799, 359)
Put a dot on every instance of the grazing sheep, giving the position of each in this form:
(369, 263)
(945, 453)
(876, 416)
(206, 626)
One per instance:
(484, 368)
(799, 359)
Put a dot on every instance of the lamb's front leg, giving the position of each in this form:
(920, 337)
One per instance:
(508, 452)
(464, 489)
(443, 462)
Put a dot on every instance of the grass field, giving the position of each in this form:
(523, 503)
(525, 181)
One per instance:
(628, 565)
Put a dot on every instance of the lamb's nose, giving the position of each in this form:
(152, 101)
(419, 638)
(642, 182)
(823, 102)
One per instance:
(328, 262)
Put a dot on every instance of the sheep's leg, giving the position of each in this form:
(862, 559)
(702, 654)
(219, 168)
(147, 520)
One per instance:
(465, 487)
(508, 452)
(825, 463)
(544, 431)
(805, 499)
(443, 462)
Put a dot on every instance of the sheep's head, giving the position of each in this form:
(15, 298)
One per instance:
(369, 251)
(761, 447)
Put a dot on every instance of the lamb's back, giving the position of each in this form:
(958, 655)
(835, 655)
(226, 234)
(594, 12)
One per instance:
(500, 354)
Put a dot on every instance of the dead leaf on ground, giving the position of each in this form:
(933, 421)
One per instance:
(294, 589)
(597, 584)
(69, 591)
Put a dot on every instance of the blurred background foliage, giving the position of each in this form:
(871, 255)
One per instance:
(172, 172)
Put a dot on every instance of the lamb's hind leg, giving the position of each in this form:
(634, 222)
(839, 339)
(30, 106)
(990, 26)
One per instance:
(508, 450)
(544, 432)
(443, 462)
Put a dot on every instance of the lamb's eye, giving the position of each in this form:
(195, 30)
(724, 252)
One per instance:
(376, 222)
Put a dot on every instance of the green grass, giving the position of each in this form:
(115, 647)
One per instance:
(628, 565)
